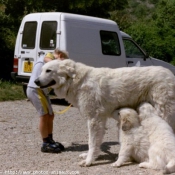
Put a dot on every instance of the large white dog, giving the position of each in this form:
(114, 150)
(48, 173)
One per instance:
(98, 92)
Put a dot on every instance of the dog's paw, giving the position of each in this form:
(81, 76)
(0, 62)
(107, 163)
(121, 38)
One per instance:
(83, 155)
(116, 164)
(143, 165)
(84, 163)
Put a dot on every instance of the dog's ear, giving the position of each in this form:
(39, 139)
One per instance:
(70, 68)
(70, 72)
(126, 125)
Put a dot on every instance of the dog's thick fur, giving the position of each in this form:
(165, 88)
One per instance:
(134, 142)
(162, 140)
(98, 92)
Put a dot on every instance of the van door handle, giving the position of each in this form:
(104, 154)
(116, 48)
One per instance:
(130, 62)
(41, 53)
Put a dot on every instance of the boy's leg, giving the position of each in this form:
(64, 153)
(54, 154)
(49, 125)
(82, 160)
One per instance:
(50, 124)
(41, 102)
(50, 132)
(44, 130)
(43, 126)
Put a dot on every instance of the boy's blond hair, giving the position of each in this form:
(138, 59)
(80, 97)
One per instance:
(64, 53)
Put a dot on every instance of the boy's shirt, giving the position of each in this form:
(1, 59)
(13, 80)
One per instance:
(36, 72)
(37, 69)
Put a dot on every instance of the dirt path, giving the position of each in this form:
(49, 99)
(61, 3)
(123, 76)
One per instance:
(21, 142)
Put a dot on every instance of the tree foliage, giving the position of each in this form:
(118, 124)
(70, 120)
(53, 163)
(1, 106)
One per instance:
(151, 25)
(156, 34)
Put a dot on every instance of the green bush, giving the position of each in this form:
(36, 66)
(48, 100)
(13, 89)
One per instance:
(156, 33)
(153, 1)
(10, 91)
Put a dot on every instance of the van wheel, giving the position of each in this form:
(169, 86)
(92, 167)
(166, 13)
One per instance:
(25, 89)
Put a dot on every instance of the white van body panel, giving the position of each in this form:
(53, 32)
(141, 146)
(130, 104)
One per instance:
(77, 34)
(157, 62)
(81, 38)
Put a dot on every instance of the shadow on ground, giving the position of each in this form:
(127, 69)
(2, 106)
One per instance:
(61, 102)
(105, 147)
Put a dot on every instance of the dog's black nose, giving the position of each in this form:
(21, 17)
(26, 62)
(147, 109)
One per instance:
(37, 82)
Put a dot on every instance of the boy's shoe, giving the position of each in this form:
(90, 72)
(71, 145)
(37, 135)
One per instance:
(59, 145)
(50, 148)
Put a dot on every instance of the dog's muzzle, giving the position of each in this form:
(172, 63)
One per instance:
(38, 83)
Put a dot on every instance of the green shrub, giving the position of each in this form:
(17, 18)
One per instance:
(10, 91)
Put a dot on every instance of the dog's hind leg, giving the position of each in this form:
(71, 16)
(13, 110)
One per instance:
(96, 128)
(164, 103)
(152, 165)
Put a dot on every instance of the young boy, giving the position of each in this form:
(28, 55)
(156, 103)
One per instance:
(40, 100)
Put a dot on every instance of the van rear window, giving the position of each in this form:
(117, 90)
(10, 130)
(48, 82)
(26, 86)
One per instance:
(48, 35)
(29, 35)
(110, 43)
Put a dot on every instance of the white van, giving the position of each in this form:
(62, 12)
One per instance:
(94, 41)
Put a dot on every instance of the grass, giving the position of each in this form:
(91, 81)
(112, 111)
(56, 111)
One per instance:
(10, 91)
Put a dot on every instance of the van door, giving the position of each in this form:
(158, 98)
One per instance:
(38, 36)
(135, 56)
(49, 33)
(28, 46)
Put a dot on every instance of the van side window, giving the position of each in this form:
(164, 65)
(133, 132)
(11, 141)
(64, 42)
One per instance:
(48, 35)
(132, 50)
(29, 35)
(110, 43)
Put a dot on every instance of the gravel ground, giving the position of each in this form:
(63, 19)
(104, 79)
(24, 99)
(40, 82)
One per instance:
(21, 142)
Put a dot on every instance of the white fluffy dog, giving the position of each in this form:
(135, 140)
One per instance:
(162, 140)
(134, 142)
(98, 92)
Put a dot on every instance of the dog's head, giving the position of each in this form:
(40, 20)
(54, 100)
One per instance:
(128, 119)
(145, 110)
(55, 73)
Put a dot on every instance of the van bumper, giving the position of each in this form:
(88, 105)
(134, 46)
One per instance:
(19, 78)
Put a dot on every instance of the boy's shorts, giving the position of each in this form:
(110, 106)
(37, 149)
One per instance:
(40, 101)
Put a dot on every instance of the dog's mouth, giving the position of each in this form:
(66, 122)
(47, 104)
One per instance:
(53, 82)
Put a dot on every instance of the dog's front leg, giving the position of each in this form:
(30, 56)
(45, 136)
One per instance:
(96, 128)
(124, 155)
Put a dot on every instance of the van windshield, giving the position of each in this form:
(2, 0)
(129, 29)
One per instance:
(48, 35)
(132, 50)
(29, 35)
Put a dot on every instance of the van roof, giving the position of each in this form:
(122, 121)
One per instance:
(125, 35)
(68, 16)
(73, 17)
